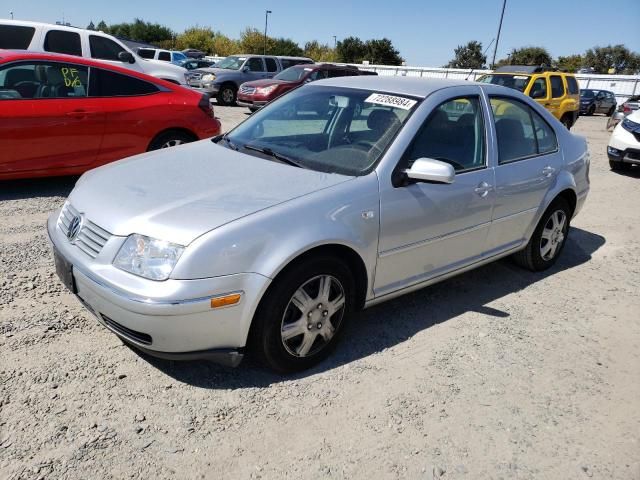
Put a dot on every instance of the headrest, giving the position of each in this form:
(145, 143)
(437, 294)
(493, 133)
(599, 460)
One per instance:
(381, 120)
(54, 76)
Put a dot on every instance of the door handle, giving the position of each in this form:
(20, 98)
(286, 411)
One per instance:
(548, 171)
(80, 113)
(483, 189)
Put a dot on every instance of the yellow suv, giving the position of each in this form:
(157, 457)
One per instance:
(556, 91)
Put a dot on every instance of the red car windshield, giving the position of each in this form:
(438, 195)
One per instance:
(293, 74)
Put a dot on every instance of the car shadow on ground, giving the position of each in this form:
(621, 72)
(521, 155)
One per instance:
(36, 187)
(395, 321)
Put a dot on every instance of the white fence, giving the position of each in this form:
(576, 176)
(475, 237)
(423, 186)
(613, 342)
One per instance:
(623, 86)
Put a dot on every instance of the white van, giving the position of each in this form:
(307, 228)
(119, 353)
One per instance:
(45, 37)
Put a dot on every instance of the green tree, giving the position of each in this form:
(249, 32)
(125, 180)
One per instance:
(224, 46)
(382, 52)
(252, 41)
(201, 38)
(527, 56)
(618, 57)
(570, 63)
(287, 47)
(91, 26)
(320, 52)
(351, 50)
(468, 56)
(102, 26)
(142, 31)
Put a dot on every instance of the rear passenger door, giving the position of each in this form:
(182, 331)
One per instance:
(528, 164)
(272, 67)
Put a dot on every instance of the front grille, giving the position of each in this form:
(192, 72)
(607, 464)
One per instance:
(91, 238)
(633, 154)
(247, 90)
(139, 337)
(194, 76)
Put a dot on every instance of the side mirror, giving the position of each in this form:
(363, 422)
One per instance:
(245, 69)
(430, 170)
(126, 57)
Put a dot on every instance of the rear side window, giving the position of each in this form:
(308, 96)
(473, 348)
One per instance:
(110, 84)
(272, 66)
(164, 56)
(59, 41)
(146, 52)
(103, 48)
(572, 85)
(557, 87)
(15, 37)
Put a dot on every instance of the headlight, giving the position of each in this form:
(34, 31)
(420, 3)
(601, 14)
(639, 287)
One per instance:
(629, 125)
(148, 257)
(208, 77)
(266, 90)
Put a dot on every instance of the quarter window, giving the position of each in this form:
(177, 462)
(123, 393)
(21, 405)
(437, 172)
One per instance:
(453, 133)
(42, 80)
(572, 86)
(110, 84)
(104, 48)
(521, 132)
(255, 64)
(272, 66)
(59, 41)
(557, 87)
(15, 37)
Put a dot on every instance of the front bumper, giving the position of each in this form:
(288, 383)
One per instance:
(623, 146)
(210, 88)
(243, 102)
(170, 319)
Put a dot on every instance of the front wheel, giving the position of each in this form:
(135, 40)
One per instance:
(227, 95)
(303, 314)
(548, 239)
(170, 139)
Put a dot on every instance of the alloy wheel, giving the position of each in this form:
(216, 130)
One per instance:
(172, 143)
(553, 235)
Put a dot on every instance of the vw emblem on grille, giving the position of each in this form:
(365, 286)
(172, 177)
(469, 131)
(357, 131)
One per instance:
(74, 228)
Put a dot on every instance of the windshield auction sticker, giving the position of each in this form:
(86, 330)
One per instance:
(391, 101)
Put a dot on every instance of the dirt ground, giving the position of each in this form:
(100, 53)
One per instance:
(496, 374)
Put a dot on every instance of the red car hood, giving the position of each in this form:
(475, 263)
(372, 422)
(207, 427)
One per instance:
(268, 81)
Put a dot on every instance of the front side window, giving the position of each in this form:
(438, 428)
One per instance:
(453, 133)
(328, 129)
(60, 41)
(15, 37)
(255, 65)
(164, 56)
(318, 75)
(105, 83)
(557, 87)
(517, 82)
(539, 88)
(104, 49)
(520, 131)
(272, 66)
(41, 80)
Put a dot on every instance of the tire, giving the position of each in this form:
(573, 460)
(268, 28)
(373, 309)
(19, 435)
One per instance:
(619, 166)
(253, 109)
(548, 239)
(611, 110)
(592, 110)
(566, 121)
(172, 138)
(227, 95)
(290, 332)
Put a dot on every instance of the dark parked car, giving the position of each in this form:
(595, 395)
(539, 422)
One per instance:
(194, 53)
(597, 101)
(193, 63)
(258, 93)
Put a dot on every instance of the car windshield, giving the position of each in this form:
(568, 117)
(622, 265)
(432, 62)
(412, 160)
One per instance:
(587, 93)
(231, 63)
(179, 56)
(517, 82)
(292, 74)
(328, 129)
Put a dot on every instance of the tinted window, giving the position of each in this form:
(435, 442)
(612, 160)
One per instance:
(164, 56)
(572, 85)
(146, 52)
(453, 133)
(272, 66)
(539, 88)
(103, 48)
(111, 84)
(255, 64)
(290, 62)
(557, 87)
(336, 72)
(43, 80)
(63, 42)
(317, 75)
(15, 36)
(521, 132)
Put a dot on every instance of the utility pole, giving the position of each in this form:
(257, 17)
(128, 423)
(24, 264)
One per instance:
(11, 13)
(495, 50)
(266, 23)
(335, 42)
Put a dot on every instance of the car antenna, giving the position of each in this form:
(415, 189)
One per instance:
(483, 54)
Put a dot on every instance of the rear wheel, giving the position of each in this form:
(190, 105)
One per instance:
(303, 314)
(227, 95)
(170, 139)
(548, 238)
(566, 121)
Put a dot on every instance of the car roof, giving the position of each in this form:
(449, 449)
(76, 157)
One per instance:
(413, 86)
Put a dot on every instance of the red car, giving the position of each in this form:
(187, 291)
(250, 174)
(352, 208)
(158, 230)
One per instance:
(63, 115)
(258, 93)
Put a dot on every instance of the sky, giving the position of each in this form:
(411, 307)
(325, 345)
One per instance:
(424, 31)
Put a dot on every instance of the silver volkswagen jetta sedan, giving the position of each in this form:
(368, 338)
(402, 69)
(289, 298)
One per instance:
(342, 194)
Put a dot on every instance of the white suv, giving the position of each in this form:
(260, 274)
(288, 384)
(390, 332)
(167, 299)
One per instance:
(162, 55)
(44, 37)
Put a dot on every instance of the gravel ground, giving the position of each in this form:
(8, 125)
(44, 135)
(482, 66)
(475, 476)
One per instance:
(498, 373)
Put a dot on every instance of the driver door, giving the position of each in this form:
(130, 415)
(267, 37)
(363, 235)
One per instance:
(426, 229)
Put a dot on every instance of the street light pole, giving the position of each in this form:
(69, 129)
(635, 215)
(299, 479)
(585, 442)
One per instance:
(266, 22)
(495, 50)
(335, 42)
(11, 13)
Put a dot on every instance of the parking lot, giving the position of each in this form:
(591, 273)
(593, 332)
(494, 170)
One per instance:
(497, 373)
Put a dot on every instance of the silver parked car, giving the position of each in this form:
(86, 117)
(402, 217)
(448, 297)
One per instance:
(339, 195)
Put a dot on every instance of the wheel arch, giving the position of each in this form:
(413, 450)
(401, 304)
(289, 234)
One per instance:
(182, 130)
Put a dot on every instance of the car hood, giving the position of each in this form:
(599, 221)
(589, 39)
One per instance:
(268, 81)
(218, 71)
(180, 193)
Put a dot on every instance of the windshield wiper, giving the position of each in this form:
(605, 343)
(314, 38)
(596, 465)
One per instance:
(225, 137)
(276, 155)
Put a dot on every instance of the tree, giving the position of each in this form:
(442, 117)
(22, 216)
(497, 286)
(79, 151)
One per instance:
(201, 38)
(285, 46)
(618, 57)
(102, 27)
(527, 56)
(224, 46)
(351, 50)
(571, 63)
(252, 41)
(91, 26)
(382, 52)
(142, 31)
(320, 52)
(468, 56)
